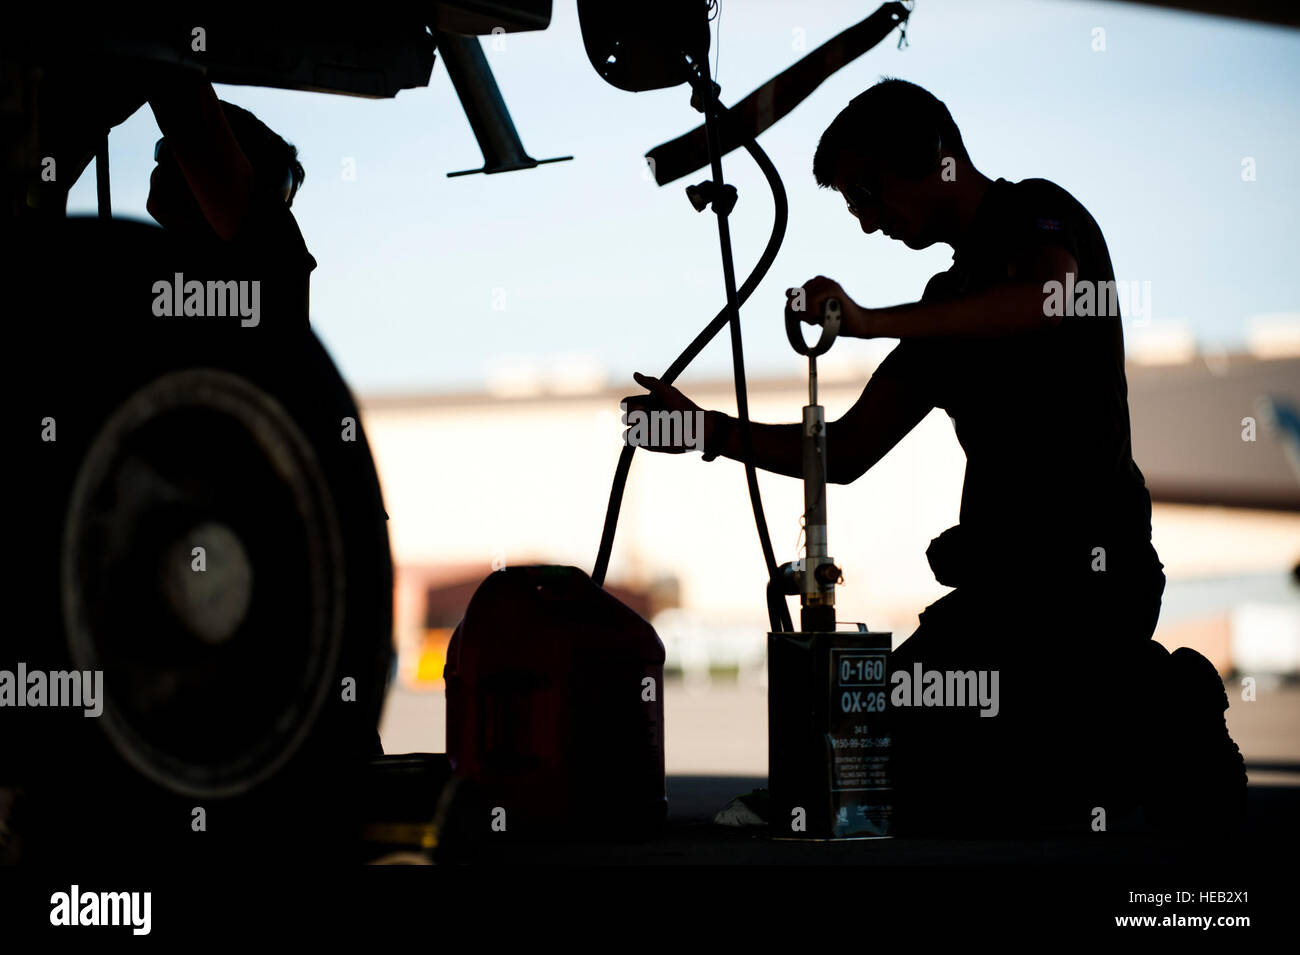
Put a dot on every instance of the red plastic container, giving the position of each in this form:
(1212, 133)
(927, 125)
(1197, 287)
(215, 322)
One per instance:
(555, 706)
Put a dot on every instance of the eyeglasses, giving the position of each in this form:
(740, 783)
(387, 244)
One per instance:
(859, 197)
(160, 149)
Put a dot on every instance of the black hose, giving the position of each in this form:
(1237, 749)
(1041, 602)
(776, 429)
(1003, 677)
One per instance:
(779, 615)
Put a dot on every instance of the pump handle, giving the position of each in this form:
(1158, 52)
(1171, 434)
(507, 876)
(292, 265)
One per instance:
(831, 314)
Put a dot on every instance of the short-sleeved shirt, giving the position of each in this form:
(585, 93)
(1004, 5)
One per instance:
(1041, 415)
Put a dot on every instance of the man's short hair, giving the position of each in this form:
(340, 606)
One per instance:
(894, 125)
(271, 157)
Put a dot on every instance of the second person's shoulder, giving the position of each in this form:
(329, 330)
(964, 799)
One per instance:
(270, 232)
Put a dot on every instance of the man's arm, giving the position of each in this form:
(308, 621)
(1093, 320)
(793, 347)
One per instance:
(1012, 307)
(218, 172)
(884, 413)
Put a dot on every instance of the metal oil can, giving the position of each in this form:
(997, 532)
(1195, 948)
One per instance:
(829, 746)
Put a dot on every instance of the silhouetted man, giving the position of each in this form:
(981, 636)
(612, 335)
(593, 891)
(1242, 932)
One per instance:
(224, 183)
(1057, 585)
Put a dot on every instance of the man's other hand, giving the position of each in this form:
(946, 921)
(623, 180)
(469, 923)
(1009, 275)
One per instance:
(675, 433)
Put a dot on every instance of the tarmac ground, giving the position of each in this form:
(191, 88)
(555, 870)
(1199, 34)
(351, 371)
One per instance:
(716, 749)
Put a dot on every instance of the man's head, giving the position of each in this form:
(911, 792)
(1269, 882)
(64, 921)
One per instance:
(885, 153)
(275, 169)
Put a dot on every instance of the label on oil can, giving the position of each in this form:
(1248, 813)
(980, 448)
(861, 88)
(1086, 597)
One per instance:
(858, 743)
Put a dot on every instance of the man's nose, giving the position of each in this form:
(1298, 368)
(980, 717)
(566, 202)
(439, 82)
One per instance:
(869, 221)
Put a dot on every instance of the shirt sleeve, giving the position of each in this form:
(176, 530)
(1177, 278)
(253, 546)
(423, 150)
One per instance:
(1043, 220)
(920, 361)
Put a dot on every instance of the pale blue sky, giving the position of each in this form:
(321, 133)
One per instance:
(595, 260)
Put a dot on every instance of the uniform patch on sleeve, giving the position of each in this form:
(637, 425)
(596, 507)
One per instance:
(1048, 225)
